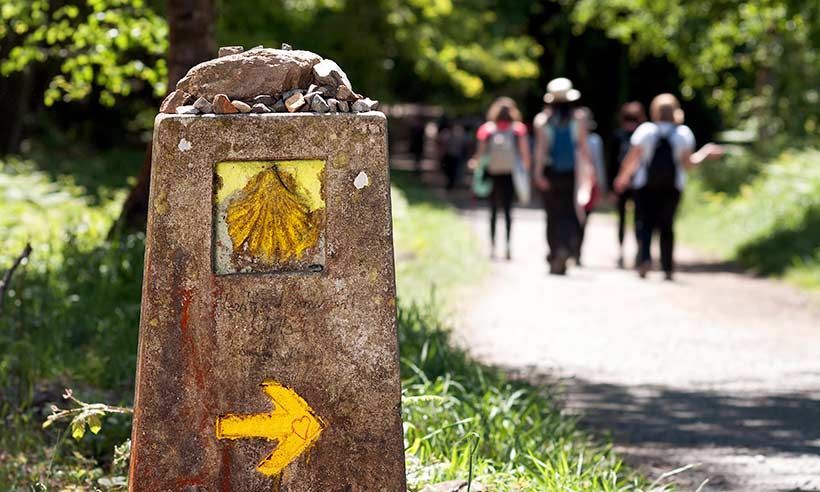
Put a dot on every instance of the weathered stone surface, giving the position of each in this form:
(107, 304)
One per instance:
(319, 104)
(204, 105)
(241, 106)
(260, 108)
(360, 106)
(230, 50)
(333, 105)
(286, 46)
(207, 341)
(288, 94)
(364, 105)
(343, 93)
(295, 102)
(187, 109)
(327, 72)
(279, 106)
(174, 100)
(344, 107)
(265, 99)
(222, 105)
(245, 75)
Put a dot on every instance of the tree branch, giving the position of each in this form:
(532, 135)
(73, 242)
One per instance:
(7, 277)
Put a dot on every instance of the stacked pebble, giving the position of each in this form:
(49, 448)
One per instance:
(330, 92)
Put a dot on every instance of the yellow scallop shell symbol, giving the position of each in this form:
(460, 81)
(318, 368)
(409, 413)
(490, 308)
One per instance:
(271, 218)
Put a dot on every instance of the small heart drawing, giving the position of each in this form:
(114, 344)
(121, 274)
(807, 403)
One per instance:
(301, 427)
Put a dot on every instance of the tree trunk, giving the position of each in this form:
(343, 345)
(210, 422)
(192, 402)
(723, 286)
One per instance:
(191, 40)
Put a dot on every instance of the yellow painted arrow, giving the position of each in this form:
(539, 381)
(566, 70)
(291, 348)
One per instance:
(292, 423)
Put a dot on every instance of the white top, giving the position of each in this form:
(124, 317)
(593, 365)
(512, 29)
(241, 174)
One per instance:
(646, 137)
(596, 151)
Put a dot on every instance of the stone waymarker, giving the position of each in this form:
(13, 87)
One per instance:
(268, 353)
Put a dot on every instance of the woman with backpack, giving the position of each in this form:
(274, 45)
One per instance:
(563, 170)
(662, 151)
(502, 147)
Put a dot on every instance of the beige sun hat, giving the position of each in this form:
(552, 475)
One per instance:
(560, 90)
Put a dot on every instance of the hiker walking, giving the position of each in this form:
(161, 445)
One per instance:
(631, 115)
(662, 150)
(503, 150)
(596, 153)
(452, 151)
(563, 170)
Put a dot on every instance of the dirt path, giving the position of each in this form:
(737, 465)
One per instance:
(717, 369)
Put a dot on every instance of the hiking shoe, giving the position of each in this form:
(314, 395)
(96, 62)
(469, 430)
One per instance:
(669, 277)
(643, 268)
(558, 263)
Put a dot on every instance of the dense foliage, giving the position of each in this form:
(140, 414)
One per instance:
(761, 211)
(756, 60)
(107, 48)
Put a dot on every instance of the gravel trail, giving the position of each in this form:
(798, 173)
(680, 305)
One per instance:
(717, 369)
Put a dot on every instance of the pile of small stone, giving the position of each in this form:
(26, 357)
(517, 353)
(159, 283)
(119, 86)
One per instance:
(230, 80)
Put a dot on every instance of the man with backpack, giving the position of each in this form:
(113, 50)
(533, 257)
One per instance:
(560, 140)
(662, 150)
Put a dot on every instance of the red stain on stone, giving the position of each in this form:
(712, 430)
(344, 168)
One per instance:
(225, 470)
(187, 482)
(187, 338)
(185, 295)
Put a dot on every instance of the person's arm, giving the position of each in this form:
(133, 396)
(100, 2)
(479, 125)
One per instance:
(524, 150)
(482, 147)
(541, 182)
(710, 151)
(628, 168)
(583, 144)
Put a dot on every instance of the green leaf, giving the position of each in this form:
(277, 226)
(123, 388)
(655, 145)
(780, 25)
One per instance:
(78, 428)
(94, 424)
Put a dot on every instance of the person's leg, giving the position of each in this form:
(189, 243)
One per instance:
(509, 193)
(574, 224)
(581, 233)
(666, 223)
(622, 199)
(450, 171)
(621, 218)
(494, 201)
(644, 225)
(566, 222)
(551, 213)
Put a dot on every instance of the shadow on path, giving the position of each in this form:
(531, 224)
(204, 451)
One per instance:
(656, 428)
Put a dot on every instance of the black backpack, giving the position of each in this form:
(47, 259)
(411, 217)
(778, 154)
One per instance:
(662, 172)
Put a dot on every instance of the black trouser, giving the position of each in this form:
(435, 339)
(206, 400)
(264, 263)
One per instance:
(501, 197)
(451, 165)
(563, 227)
(655, 210)
(623, 198)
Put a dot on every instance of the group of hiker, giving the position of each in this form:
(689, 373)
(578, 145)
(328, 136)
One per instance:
(565, 162)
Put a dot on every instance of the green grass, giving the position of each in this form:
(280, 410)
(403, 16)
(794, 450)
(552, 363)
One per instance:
(763, 213)
(72, 315)
(435, 252)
